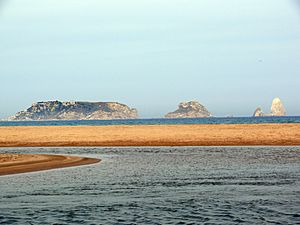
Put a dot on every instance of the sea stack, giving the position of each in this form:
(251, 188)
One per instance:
(258, 112)
(277, 109)
(56, 110)
(192, 109)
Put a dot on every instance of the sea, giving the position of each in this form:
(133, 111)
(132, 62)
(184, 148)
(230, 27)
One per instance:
(157, 121)
(158, 185)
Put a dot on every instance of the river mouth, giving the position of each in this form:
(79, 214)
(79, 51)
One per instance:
(158, 185)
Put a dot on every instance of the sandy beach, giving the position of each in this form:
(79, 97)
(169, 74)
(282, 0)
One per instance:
(21, 163)
(152, 135)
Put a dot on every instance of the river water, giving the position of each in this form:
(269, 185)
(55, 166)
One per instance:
(158, 185)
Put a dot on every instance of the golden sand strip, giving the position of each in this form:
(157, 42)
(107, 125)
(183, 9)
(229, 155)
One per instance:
(21, 163)
(152, 135)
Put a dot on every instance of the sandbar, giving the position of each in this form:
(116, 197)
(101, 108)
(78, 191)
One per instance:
(152, 135)
(22, 163)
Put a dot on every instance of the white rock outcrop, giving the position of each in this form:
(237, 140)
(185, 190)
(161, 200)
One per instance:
(277, 109)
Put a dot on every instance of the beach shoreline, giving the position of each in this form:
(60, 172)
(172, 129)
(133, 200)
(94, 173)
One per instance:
(23, 163)
(131, 135)
(151, 135)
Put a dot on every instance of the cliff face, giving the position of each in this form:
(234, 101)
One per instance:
(192, 109)
(277, 109)
(56, 110)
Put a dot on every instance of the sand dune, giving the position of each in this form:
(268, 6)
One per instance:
(152, 135)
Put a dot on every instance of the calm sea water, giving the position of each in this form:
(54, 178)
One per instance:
(213, 120)
(161, 185)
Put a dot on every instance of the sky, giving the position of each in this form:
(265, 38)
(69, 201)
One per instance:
(232, 56)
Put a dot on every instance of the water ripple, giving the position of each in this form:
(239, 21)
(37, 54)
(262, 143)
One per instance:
(177, 185)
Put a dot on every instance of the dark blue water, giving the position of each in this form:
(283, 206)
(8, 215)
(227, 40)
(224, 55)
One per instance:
(162, 185)
(159, 121)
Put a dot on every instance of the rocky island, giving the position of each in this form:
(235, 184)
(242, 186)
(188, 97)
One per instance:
(57, 110)
(192, 109)
(258, 112)
(277, 109)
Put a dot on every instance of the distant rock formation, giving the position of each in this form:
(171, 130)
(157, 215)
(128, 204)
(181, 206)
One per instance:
(192, 109)
(56, 110)
(258, 112)
(277, 109)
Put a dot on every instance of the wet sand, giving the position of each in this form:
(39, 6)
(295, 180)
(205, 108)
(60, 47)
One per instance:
(152, 135)
(19, 163)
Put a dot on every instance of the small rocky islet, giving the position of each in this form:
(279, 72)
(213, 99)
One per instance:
(57, 110)
(277, 109)
(76, 110)
(192, 109)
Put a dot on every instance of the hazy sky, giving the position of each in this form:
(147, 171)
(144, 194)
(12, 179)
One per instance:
(231, 56)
